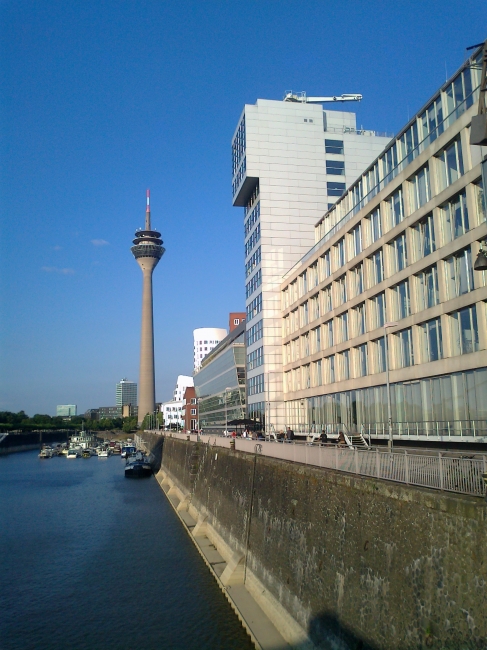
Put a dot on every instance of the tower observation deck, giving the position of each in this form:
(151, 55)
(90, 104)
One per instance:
(147, 250)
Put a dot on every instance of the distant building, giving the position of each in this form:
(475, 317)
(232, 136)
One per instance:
(66, 410)
(205, 339)
(109, 412)
(190, 409)
(220, 383)
(126, 393)
(182, 383)
(129, 411)
(173, 414)
(234, 319)
(91, 414)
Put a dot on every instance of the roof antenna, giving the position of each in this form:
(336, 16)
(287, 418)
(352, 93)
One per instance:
(147, 212)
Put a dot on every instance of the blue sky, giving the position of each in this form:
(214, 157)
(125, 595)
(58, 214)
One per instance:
(101, 100)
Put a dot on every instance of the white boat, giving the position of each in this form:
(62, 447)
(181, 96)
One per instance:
(73, 452)
(103, 453)
(46, 452)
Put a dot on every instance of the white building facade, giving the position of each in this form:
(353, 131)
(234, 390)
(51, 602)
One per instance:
(390, 285)
(205, 339)
(290, 163)
(173, 410)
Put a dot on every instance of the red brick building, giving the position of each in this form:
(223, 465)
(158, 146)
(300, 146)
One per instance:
(190, 409)
(234, 319)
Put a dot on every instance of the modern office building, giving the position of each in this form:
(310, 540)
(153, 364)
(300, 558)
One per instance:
(220, 383)
(147, 250)
(66, 410)
(109, 412)
(291, 161)
(126, 393)
(205, 339)
(389, 288)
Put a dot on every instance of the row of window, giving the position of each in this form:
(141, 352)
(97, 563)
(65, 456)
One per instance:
(442, 112)
(238, 146)
(254, 282)
(446, 223)
(252, 219)
(254, 195)
(253, 262)
(419, 344)
(412, 295)
(255, 358)
(335, 167)
(237, 180)
(252, 240)
(255, 385)
(255, 307)
(255, 333)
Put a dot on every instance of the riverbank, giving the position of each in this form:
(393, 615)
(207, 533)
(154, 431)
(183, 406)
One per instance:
(331, 558)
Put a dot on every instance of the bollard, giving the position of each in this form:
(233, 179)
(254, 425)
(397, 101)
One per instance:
(232, 444)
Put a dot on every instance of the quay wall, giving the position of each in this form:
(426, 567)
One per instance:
(14, 442)
(337, 560)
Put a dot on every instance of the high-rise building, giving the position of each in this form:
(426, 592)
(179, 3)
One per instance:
(205, 339)
(389, 288)
(147, 250)
(126, 393)
(291, 161)
(66, 410)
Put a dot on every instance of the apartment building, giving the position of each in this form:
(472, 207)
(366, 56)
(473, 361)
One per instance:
(391, 273)
(291, 161)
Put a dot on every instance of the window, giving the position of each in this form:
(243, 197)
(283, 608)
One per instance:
(316, 339)
(454, 217)
(431, 120)
(402, 302)
(313, 274)
(254, 333)
(252, 219)
(254, 307)
(432, 340)
(315, 307)
(465, 333)
(193, 411)
(341, 288)
(303, 314)
(360, 323)
(427, 288)
(306, 378)
(340, 252)
(252, 262)
(328, 334)
(405, 348)
(255, 385)
(325, 265)
(399, 252)
(305, 345)
(336, 167)
(193, 400)
(345, 365)
(375, 226)
(356, 234)
(450, 164)
(334, 146)
(396, 208)
(459, 273)
(335, 189)
(303, 284)
(327, 300)
(357, 280)
(329, 363)
(421, 193)
(252, 240)
(377, 268)
(424, 233)
(361, 360)
(254, 282)
(255, 358)
(317, 377)
(379, 309)
(342, 324)
(380, 354)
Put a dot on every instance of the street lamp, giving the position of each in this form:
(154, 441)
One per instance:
(481, 261)
(389, 415)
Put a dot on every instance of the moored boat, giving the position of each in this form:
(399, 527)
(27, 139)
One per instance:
(138, 467)
(73, 452)
(46, 452)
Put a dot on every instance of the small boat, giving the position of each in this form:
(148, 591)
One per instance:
(86, 453)
(73, 453)
(103, 453)
(138, 467)
(46, 452)
(127, 450)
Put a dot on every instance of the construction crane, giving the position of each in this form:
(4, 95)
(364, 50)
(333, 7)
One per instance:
(303, 99)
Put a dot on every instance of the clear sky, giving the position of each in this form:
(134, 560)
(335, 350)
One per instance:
(103, 99)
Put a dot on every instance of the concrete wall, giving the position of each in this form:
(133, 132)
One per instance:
(338, 560)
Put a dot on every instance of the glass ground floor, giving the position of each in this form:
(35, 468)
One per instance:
(456, 397)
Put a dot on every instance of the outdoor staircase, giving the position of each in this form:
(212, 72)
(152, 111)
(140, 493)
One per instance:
(356, 440)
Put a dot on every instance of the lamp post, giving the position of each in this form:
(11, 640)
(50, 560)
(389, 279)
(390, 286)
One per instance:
(388, 386)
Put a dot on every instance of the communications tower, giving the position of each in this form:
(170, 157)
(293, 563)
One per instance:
(147, 250)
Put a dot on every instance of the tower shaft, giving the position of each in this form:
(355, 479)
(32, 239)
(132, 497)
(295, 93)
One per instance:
(147, 390)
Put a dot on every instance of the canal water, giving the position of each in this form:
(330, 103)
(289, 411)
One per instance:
(92, 560)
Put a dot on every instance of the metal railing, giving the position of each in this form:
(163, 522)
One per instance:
(431, 470)
(429, 429)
